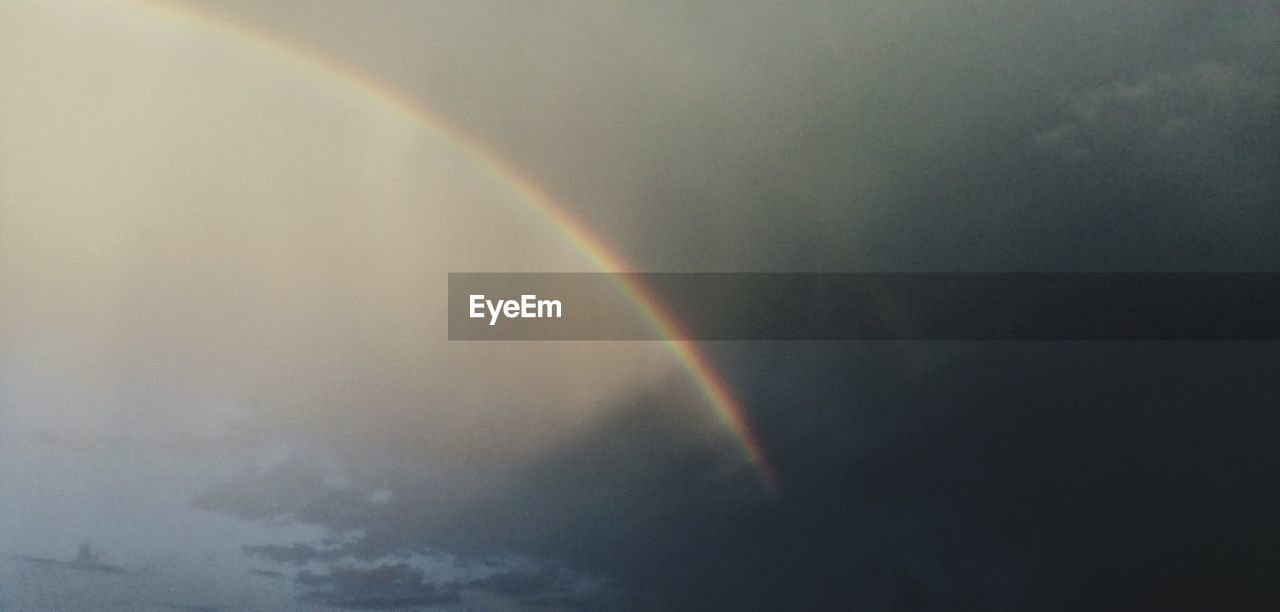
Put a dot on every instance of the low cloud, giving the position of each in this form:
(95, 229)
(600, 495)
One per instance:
(86, 560)
(393, 584)
(386, 586)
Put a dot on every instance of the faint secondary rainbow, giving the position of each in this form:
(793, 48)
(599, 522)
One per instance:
(711, 385)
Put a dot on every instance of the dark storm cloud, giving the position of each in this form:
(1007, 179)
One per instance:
(266, 573)
(181, 607)
(601, 491)
(296, 554)
(392, 585)
(83, 566)
(384, 587)
(295, 490)
(989, 135)
(86, 560)
(82, 443)
(530, 587)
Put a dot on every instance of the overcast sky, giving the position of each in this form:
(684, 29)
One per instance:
(223, 363)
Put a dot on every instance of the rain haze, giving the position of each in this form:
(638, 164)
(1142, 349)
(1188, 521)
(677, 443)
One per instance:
(226, 228)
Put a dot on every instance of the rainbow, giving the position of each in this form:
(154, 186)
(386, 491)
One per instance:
(334, 71)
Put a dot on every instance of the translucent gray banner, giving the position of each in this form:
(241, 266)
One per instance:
(864, 306)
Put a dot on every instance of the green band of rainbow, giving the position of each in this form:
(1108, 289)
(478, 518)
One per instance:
(336, 72)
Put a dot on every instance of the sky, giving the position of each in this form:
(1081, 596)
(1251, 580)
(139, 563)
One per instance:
(225, 382)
